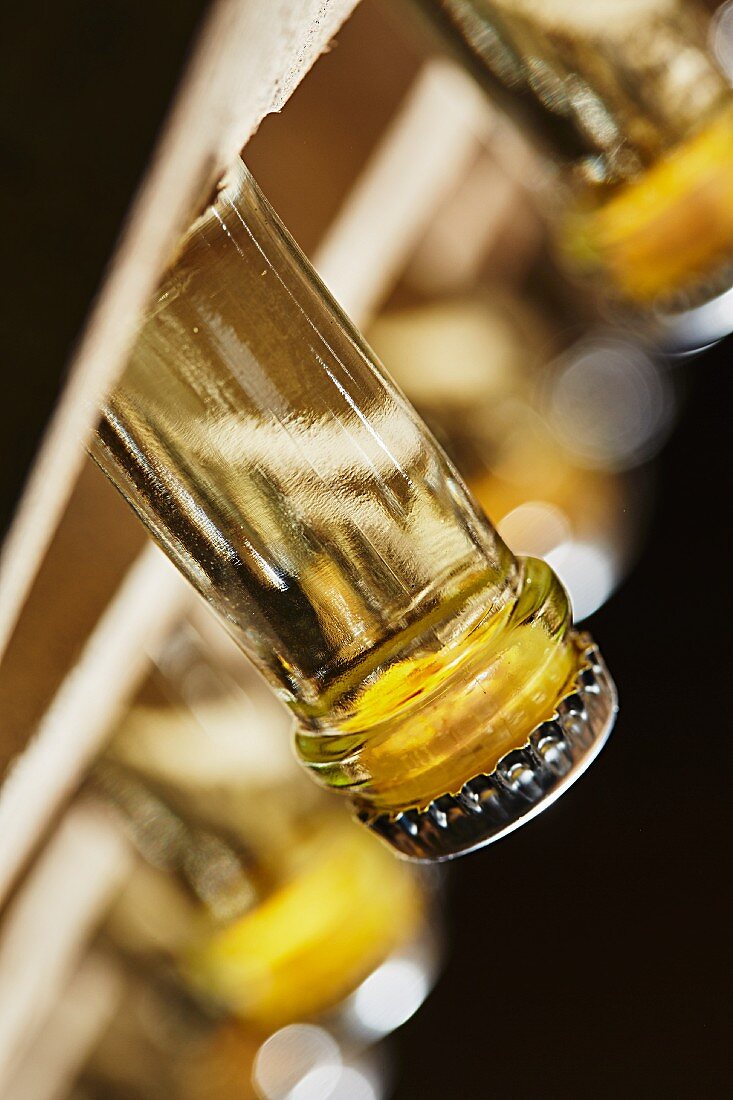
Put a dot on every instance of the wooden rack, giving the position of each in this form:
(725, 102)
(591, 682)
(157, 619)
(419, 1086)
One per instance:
(86, 600)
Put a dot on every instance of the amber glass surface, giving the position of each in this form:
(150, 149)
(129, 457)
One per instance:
(629, 94)
(299, 491)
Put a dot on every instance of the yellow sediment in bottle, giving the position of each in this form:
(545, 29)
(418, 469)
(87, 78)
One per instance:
(312, 942)
(670, 226)
(428, 723)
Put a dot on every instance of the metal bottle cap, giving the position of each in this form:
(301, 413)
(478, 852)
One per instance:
(524, 782)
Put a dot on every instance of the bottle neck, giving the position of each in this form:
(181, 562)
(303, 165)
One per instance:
(292, 483)
(286, 476)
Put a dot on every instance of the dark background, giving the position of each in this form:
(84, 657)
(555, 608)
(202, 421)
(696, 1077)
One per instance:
(84, 86)
(589, 951)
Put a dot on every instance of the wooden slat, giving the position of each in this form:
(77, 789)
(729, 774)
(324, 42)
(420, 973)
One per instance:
(71, 1032)
(250, 56)
(490, 223)
(72, 730)
(422, 156)
(97, 541)
(49, 923)
(335, 120)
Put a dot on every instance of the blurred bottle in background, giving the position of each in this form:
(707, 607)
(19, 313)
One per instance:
(555, 487)
(631, 101)
(551, 416)
(267, 938)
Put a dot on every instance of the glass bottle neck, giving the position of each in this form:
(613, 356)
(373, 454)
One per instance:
(293, 484)
(290, 480)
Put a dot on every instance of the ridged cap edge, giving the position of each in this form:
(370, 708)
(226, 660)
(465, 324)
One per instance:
(525, 781)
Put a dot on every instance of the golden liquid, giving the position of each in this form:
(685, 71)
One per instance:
(670, 228)
(426, 723)
(268, 935)
(300, 493)
(312, 941)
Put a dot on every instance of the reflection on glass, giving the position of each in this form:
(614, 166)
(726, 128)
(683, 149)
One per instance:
(301, 494)
(255, 911)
